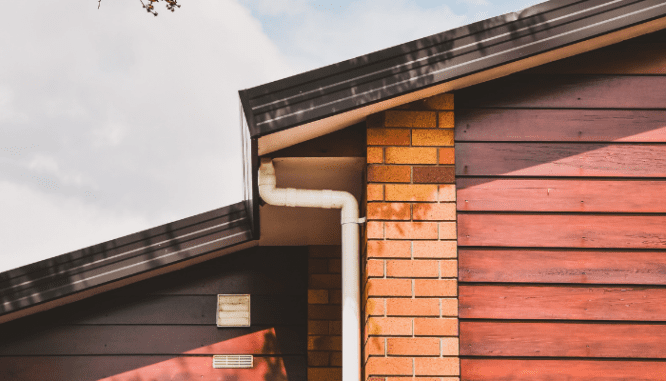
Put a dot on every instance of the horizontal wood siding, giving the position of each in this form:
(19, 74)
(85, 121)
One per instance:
(145, 368)
(544, 195)
(165, 328)
(569, 369)
(561, 159)
(566, 302)
(573, 125)
(547, 339)
(563, 266)
(561, 184)
(563, 230)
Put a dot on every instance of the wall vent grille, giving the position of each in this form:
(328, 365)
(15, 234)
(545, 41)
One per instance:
(233, 361)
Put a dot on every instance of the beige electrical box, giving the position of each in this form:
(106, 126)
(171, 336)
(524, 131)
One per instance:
(233, 310)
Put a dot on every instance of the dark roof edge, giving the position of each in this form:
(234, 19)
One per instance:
(406, 48)
(148, 251)
(440, 58)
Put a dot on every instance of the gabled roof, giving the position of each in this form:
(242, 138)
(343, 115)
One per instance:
(87, 271)
(351, 86)
(302, 107)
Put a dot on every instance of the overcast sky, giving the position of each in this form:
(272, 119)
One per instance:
(114, 121)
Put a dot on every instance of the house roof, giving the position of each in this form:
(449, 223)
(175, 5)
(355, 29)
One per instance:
(418, 65)
(145, 252)
(311, 104)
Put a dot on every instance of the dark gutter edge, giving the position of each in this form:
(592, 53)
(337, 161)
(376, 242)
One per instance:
(389, 53)
(247, 111)
(486, 39)
(256, 231)
(109, 286)
(378, 100)
(118, 244)
(380, 95)
(232, 228)
(413, 45)
(389, 94)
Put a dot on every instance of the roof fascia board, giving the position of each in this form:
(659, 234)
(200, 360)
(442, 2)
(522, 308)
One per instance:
(318, 127)
(64, 277)
(406, 48)
(318, 99)
(454, 50)
(119, 243)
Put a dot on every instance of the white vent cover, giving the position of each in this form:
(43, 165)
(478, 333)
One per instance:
(233, 361)
(233, 310)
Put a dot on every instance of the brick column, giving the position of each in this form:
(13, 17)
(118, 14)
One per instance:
(410, 289)
(324, 313)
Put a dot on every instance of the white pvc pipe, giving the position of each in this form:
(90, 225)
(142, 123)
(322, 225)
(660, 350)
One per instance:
(351, 294)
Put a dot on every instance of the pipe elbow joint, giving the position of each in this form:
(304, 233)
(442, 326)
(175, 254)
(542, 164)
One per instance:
(328, 199)
(349, 212)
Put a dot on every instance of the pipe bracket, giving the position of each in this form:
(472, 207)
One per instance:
(358, 221)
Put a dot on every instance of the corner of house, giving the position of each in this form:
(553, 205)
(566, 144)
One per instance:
(410, 256)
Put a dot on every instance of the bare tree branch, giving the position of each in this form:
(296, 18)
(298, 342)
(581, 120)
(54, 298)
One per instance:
(171, 5)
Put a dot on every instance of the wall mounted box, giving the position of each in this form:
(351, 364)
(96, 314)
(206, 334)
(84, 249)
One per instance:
(233, 310)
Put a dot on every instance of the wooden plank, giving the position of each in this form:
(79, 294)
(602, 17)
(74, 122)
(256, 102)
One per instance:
(261, 271)
(558, 195)
(551, 370)
(560, 159)
(153, 340)
(516, 125)
(562, 303)
(562, 340)
(562, 266)
(628, 58)
(181, 309)
(567, 91)
(558, 230)
(154, 368)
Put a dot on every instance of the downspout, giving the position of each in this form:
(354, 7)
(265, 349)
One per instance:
(351, 298)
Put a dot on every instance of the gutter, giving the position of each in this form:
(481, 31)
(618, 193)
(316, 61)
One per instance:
(312, 104)
(351, 296)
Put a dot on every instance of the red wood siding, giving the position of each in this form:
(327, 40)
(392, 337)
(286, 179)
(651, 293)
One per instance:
(561, 195)
(165, 328)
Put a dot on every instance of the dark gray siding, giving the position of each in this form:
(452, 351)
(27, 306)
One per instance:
(165, 328)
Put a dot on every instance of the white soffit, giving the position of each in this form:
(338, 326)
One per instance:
(293, 226)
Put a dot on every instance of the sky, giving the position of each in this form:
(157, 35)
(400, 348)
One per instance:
(114, 121)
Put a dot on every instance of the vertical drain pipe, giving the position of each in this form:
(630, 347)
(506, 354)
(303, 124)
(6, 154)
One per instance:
(351, 298)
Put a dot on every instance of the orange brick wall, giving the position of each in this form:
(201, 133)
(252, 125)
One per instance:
(324, 313)
(410, 259)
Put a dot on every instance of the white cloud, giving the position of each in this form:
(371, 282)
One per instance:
(474, 2)
(320, 33)
(113, 110)
(111, 134)
(122, 111)
(7, 109)
(44, 163)
(279, 7)
(44, 225)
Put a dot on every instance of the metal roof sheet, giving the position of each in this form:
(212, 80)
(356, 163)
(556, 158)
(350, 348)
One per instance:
(124, 257)
(436, 59)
